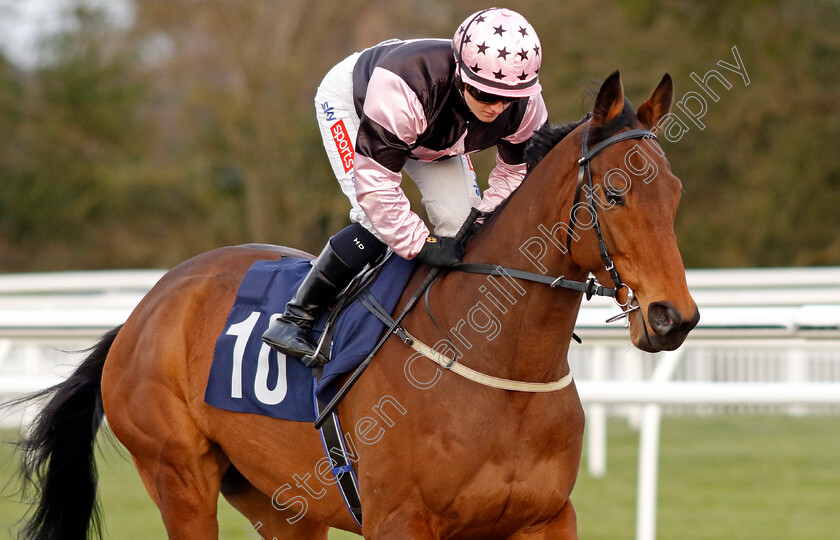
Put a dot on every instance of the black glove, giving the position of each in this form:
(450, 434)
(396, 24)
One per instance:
(441, 251)
(480, 221)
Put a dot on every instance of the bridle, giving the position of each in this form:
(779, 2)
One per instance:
(590, 287)
(585, 174)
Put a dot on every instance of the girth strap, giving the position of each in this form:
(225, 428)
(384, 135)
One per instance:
(342, 467)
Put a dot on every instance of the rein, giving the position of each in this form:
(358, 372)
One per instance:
(589, 287)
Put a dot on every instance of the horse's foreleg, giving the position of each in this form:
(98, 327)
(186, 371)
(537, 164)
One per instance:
(269, 522)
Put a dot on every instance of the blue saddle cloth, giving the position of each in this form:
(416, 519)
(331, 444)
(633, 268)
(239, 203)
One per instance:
(249, 376)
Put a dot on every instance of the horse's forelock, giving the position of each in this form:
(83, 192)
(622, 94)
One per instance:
(626, 119)
(549, 135)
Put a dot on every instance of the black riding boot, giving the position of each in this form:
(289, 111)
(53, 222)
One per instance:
(342, 258)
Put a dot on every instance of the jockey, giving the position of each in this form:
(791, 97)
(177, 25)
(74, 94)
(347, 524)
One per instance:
(418, 106)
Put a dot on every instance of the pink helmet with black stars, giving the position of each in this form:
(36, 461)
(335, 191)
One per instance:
(497, 51)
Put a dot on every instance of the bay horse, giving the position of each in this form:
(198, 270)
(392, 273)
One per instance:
(437, 456)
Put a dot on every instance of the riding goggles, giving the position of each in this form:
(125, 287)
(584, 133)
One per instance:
(486, 97)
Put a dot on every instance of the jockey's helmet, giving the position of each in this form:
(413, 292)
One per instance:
(498, 52)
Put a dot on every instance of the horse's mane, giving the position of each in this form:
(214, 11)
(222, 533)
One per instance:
(550, 135)
(538, 146)
(546, 138)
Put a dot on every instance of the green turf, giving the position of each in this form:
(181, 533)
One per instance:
(733, 477)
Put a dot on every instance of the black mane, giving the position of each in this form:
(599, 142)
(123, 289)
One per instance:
(549, 135)
(546, 138)
(538, 146)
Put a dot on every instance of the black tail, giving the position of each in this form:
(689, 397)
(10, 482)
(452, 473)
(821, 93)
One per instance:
(58, 453)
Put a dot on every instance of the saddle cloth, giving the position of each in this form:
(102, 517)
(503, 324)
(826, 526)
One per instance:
(249, 376)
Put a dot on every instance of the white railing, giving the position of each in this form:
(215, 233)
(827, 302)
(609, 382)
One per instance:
(47, 319)
(652, 395)
(768, 339)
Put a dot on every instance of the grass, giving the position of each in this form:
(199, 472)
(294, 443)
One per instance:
(733, 477)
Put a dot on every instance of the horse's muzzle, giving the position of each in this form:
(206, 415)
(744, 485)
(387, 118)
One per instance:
(669, 327)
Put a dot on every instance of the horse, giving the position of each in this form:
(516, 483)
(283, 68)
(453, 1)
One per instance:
(436, 456)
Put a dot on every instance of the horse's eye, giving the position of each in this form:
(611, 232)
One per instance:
(614, 197)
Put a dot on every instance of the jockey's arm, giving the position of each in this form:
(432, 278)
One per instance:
(510, 160)
(392, 120)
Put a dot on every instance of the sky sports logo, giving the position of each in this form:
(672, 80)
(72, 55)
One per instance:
(343, 144)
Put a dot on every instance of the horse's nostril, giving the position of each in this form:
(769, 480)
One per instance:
(663, 318)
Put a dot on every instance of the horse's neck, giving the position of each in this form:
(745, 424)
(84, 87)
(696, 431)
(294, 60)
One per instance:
(524, 327)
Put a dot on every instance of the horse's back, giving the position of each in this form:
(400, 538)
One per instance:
(165, 348)
(153, 387)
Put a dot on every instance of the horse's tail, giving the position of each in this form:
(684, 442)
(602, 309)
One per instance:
(58, 453)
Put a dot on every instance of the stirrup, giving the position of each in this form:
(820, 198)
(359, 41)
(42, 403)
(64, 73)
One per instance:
(318, 358)
(314, 360)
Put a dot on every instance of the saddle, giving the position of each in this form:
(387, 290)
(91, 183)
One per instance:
(353, 292)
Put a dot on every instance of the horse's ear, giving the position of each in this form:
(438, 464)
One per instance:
(610, 100)
(658, 104)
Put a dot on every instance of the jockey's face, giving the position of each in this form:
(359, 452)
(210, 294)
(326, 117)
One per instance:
(485, 112)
